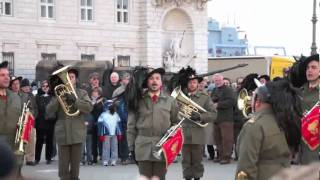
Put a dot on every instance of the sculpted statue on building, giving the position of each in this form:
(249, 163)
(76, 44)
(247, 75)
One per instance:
(200, 4)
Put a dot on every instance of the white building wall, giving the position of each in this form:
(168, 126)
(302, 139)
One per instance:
(28, 35)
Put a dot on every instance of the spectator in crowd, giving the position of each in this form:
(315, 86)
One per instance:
(224, 101)
(108, 131)
(264, 79)
(110, 87)
(15, 84)
(211, 86)
(44, 127)
(87, 145)
(239, 81)
(97, 102)
(227, 82)
(94, 85)
(122, 110)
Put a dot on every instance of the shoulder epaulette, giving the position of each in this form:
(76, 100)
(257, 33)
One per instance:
(252, 120)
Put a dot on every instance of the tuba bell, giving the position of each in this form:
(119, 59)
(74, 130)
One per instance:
(187, 106)
(64, 88)
(244, 103)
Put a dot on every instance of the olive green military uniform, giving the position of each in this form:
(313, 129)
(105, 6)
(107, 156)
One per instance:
(146, 127)
(194, 138)
(10, 111)
(310, 98)
(70, 133)
(262, 147)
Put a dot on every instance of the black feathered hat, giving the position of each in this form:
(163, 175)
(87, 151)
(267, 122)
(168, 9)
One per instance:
(297, 73)
(74, 71)
(4, 64)
(160, 71)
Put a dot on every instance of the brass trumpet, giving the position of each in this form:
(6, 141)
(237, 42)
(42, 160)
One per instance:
(187, 106)
(21, 128)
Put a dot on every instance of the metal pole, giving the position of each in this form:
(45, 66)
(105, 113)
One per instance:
(314, 21)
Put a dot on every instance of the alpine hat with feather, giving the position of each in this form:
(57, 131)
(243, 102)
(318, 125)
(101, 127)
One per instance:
(160, 71)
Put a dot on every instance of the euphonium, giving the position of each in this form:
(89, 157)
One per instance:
(244, 103)
(187, 106)
(66, 88)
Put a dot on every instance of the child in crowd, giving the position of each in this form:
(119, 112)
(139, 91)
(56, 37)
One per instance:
(109, 129)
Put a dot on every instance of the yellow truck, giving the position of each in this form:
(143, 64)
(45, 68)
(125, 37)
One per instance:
(274, 66)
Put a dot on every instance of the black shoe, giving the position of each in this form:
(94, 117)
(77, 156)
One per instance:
(36, 162)
(30, 163)
(196, 178)
(48, 161)
(188, 179)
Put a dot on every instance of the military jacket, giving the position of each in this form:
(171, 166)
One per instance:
(70, 129)
(149, 123)
(10, 111)
(310, 98)
(194, 134)
(262, 147)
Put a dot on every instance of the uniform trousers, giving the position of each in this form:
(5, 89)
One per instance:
(192, 160)
(152, 168)
(69, 161)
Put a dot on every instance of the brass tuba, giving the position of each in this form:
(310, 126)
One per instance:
(187, 106)
(65, 88)
(244, 103)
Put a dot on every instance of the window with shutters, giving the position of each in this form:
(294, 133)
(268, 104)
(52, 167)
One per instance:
(6, 8)
(9, 56)
(48, 56)
(123, 61)
(87, 57)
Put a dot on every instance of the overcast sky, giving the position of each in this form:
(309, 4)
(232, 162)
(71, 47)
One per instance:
(270, 22)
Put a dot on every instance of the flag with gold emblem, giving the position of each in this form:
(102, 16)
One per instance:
(310, 127)
(172, 147)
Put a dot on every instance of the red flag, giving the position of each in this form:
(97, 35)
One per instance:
(310, 127)
(172, 147)
(29, 124)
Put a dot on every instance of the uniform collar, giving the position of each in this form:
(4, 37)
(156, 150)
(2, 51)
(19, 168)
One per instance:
(306, 87)
(197, 94)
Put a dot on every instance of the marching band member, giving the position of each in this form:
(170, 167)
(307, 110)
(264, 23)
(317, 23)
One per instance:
(70, 131)
(10, 111)
(310, 94)
(267, 140)
(194, 135)
(155, 113)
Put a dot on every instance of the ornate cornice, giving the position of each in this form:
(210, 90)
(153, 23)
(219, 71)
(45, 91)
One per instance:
(200, 4)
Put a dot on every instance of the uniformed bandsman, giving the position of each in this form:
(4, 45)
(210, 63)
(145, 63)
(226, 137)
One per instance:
(70, 131)
(155, 114)
(194, 135)
(10, 111)
(267, 140)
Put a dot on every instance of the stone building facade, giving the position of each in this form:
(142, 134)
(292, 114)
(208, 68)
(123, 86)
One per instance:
(170, 33)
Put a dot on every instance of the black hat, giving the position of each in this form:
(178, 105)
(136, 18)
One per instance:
(4, 64)
(160, 71)
(13, 78)
(266, 77)
(308, 60)
(194, 76)
(74, 71)
(25, 82)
